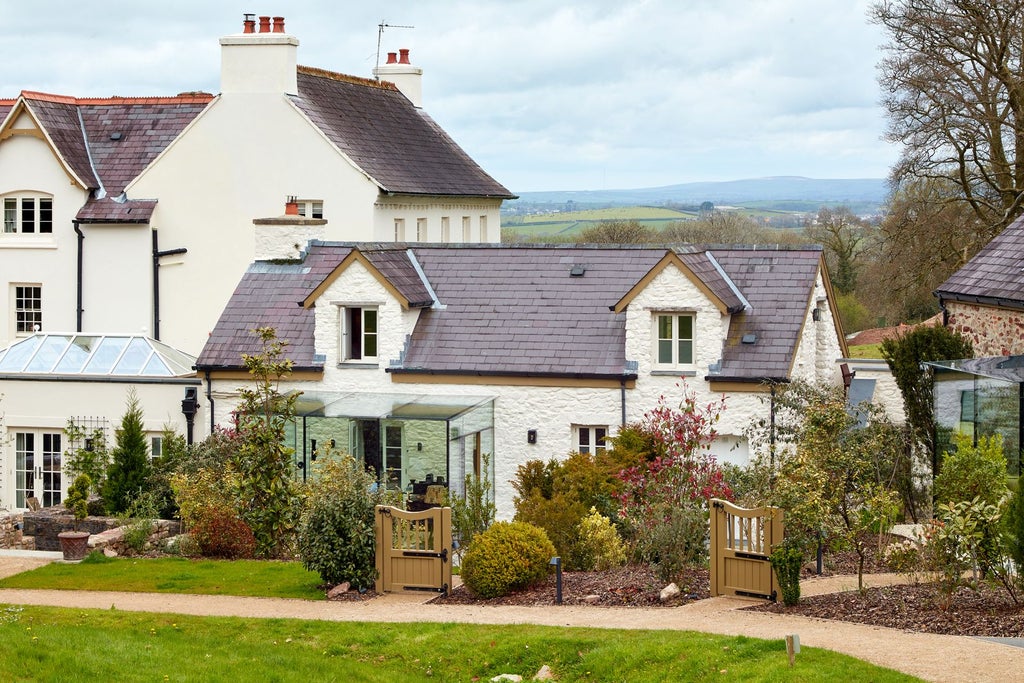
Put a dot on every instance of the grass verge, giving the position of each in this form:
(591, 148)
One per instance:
(250, 578)
(57, 644)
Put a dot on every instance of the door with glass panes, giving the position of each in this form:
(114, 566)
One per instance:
(37, 463)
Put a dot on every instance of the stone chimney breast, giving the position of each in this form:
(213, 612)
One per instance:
(259, 62)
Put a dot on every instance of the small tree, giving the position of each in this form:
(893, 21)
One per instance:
(267, 491)
(129, 467)
(839, 479)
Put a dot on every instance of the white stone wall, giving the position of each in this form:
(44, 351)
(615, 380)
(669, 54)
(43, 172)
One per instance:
(887, 393)
(284, 240)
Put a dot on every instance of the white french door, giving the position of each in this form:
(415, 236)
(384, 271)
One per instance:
(37, 468)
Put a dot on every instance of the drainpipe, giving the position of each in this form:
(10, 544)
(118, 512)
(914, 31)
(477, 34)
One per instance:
(81, 248)
(622, 400)
(157, 254)
(209, 398)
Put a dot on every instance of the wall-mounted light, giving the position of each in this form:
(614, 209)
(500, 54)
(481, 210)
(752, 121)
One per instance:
(312, 447)
(531, 436)
(419, 446)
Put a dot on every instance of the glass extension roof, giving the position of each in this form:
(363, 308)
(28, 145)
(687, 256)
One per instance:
(94, 355)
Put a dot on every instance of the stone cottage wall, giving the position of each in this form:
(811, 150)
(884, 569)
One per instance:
(992, 331)
(11, 536)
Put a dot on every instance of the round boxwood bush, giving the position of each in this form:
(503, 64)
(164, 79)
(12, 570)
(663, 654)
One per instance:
(508, 556)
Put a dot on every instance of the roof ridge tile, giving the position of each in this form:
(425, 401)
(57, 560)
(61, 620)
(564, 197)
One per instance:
(346, 78)
(183, 98)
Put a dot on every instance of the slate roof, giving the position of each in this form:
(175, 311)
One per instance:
(108, 211)
(5, 108)
(995, 276)
(268, 296)
(516, 310)
(396, 144)
(778, 283)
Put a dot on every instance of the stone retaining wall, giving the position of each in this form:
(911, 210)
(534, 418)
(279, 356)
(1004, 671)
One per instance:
(44, 525)
(11, 536)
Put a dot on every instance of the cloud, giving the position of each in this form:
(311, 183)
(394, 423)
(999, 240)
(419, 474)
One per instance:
(575, 95)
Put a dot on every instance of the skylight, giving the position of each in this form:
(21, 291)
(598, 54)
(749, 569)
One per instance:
(94, 355)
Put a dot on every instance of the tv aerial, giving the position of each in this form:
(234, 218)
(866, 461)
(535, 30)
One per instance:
(380, 32)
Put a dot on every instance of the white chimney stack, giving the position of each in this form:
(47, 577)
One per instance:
(260, 59)
(400, 71)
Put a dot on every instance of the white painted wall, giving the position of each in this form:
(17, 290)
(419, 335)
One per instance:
(410, 209)
(27, 165)
(46, 406)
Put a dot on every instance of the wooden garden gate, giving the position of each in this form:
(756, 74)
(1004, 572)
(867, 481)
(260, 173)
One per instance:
(414, 550)
(741, 542)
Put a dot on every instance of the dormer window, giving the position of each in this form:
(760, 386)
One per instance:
(673, 337)
(359, 334)
(28, 215)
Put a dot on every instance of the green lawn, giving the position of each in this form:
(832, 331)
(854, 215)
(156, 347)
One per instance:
(57, 644)
(176, 575)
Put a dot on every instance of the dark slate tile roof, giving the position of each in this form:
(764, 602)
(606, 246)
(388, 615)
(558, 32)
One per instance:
(395, 143)
(59, 118)
(82, 130)
(146, 126)
(5, 108)
(778, 283)
(516, 310)
(269, 296)
(995, 275)
(109, 211)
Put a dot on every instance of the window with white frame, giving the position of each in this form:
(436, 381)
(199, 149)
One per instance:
(673, 334)
(311, 208)
(399, 229)
(483, 228)
(156, 446)
(359, 334)
(28, 308)
(28, 215)
(590, 439)
(421, 229)
(466, 231)
(446, 229)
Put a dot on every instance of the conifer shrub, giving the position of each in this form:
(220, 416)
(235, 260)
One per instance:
(508, 556)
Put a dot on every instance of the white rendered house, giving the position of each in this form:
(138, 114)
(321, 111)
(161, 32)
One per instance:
(132, 216)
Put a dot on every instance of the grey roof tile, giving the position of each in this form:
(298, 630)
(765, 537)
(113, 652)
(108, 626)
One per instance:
(398, 145)
(517, 310)
(995, 275)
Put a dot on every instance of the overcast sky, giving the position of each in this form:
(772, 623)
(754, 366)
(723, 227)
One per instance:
(545, 95)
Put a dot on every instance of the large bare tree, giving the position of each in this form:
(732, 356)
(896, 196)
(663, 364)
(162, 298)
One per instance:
(953, 84)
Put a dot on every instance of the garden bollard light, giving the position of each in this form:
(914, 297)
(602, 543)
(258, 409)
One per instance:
(556, 561)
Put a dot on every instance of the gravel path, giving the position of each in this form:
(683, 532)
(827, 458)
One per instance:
(931, 657)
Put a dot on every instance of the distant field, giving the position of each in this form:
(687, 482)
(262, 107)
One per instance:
(569, 223)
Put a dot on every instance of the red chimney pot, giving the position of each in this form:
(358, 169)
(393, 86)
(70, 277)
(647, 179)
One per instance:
(264, 24)
(392, 58)
(278, 24)
(248, 23)
(291, 207)
(403, 56)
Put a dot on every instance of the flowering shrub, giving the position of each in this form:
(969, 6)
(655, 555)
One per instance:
(903, 557)
(664, 500)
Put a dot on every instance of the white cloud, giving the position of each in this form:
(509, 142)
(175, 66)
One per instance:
(575, 95)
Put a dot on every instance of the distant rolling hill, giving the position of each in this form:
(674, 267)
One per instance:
(780, 188)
